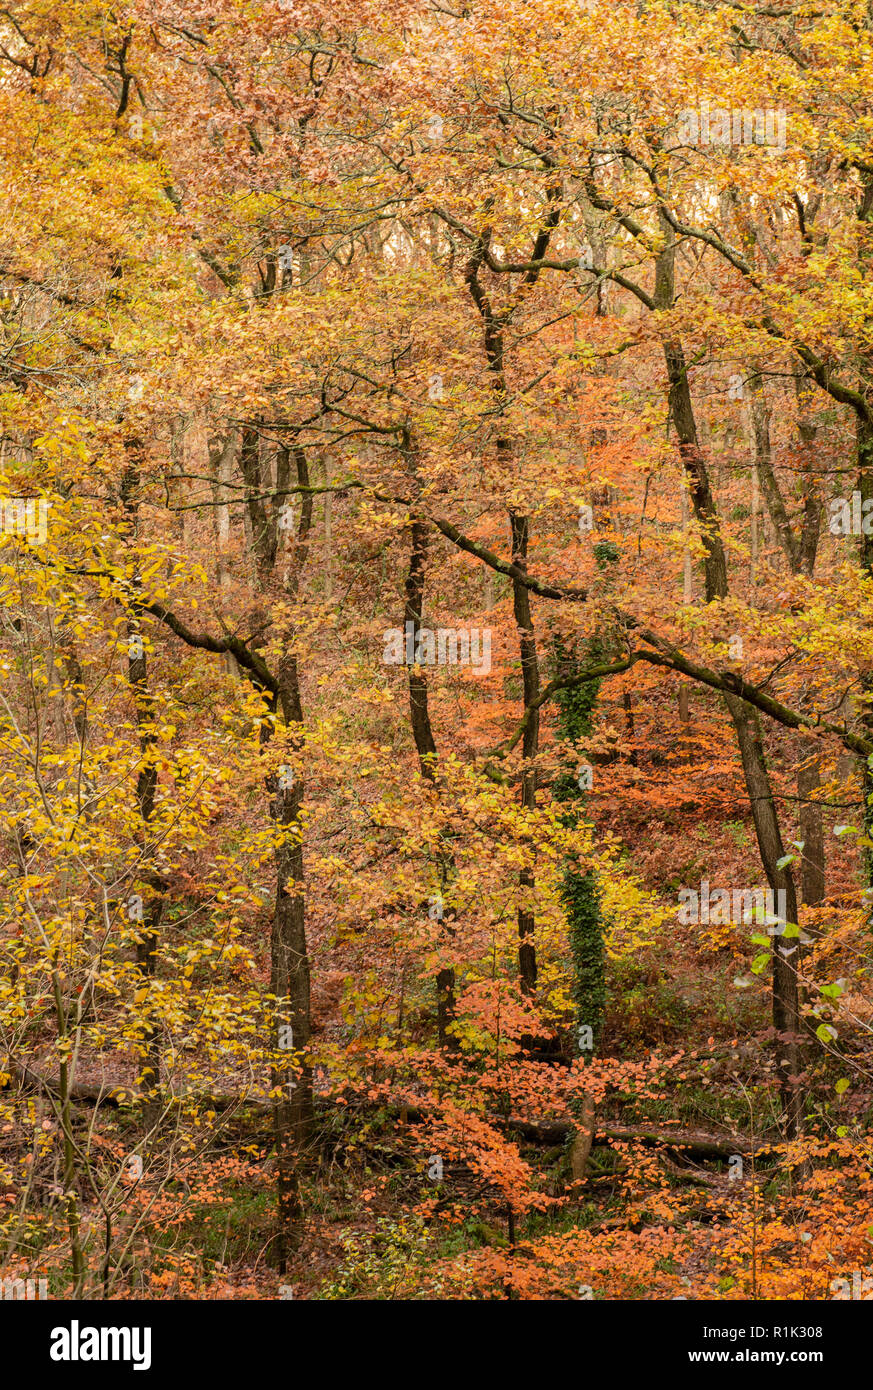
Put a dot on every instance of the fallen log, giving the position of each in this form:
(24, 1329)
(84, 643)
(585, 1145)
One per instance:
(685, 1144)
(690, 1144)
(103, 1093)
(90, 1094)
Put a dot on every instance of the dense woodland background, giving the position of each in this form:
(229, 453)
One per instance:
(340, 339)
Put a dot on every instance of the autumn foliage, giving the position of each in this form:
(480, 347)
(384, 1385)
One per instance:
(435, 589)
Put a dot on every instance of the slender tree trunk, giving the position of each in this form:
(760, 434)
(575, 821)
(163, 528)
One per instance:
(146, 788)
(812, 874)
(760, 412)
(786, 952)
(222, 456)
(425, 746)
(800, 553)
(527, 961)
(864, 463)
(864, 445)
(812, 506)
(754, 507)
(494, 325)
(630, 730)
(289, 971)
(328, 535)
(785, 998)
(289, 982)
(687, 595)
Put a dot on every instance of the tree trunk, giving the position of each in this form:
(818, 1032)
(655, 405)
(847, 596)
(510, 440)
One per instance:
(221, 457)
(289, 972)
(786, 953)
(786, 1009)
(812, 874)
(146, 787)
(425, 746)
(527, 960)
(864, 442)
